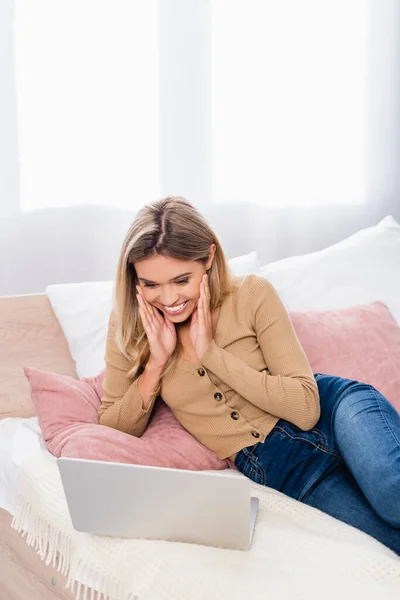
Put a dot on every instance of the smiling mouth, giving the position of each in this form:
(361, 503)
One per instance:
(176, 309)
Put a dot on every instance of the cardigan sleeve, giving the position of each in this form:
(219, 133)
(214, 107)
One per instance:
(287, 388)
(121, 405)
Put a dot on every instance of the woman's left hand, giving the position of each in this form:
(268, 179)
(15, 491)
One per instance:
(201, 334)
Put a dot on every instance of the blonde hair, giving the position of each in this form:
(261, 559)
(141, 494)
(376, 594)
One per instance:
(170, 227)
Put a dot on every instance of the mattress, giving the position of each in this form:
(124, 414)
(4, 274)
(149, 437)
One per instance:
(19, 438)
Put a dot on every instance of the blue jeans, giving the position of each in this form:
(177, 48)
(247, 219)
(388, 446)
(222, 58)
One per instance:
(348, 465)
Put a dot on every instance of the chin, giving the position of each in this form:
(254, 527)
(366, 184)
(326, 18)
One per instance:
(183, 318)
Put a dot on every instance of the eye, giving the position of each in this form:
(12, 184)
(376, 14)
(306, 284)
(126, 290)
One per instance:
(180, 282)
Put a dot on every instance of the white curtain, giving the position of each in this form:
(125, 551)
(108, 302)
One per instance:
(87, 102)
(279, 119)
(288, 99)
(285, 83)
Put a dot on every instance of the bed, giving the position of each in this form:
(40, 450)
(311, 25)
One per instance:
(32, 335)
(29, 334)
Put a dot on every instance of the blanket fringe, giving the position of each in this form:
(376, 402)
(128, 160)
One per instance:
(54, 547)
(43, 537)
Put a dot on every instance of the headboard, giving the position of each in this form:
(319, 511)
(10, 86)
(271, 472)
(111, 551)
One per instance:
(30, 336)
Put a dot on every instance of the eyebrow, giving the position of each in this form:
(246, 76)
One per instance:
(173, 279)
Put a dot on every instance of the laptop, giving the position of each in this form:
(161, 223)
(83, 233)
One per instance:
(135, 501)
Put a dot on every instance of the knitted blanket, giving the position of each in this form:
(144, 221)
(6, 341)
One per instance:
(297, 552)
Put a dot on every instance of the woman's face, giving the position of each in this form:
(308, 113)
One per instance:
(172, 285)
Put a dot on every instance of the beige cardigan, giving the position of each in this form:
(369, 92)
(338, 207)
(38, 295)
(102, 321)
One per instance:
(253, 373)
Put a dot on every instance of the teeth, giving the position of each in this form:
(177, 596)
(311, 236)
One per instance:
(176, 308)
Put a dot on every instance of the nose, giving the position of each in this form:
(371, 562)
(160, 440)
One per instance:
(169, 297)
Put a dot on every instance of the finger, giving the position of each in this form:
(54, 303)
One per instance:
(194, 317)
(199, 299)
(206, 311)
(149, 309)
(152, 317)
(205, 300)
(202, 291)
(145, 322)
(200, 309)
(208, 296)
(208, 289)
(142, 309)
(145, 311)
(205, 292)
(170, 326)
(139, 296)
(158, 319)
(158, 316)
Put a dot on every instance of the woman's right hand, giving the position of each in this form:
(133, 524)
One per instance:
(160, 331)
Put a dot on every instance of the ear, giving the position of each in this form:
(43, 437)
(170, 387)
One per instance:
(211, 255)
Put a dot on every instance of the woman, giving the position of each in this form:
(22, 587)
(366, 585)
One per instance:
(223, 354)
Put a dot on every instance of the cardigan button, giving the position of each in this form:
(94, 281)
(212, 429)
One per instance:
(201, 372)
(234, 415)
(255, 434)
(218, 396)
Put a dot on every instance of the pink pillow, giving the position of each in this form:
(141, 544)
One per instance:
(67, 410)
(360, 342)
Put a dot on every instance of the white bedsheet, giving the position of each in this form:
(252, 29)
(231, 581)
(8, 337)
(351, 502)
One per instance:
(19, 438)
(297, 552)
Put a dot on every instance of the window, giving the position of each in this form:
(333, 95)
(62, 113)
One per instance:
(87, 102)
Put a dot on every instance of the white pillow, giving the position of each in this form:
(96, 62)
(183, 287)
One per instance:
(83, 310)
(363, 268)
(242, 265)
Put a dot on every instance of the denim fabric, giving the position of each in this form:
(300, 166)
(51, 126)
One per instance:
(348, 465)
